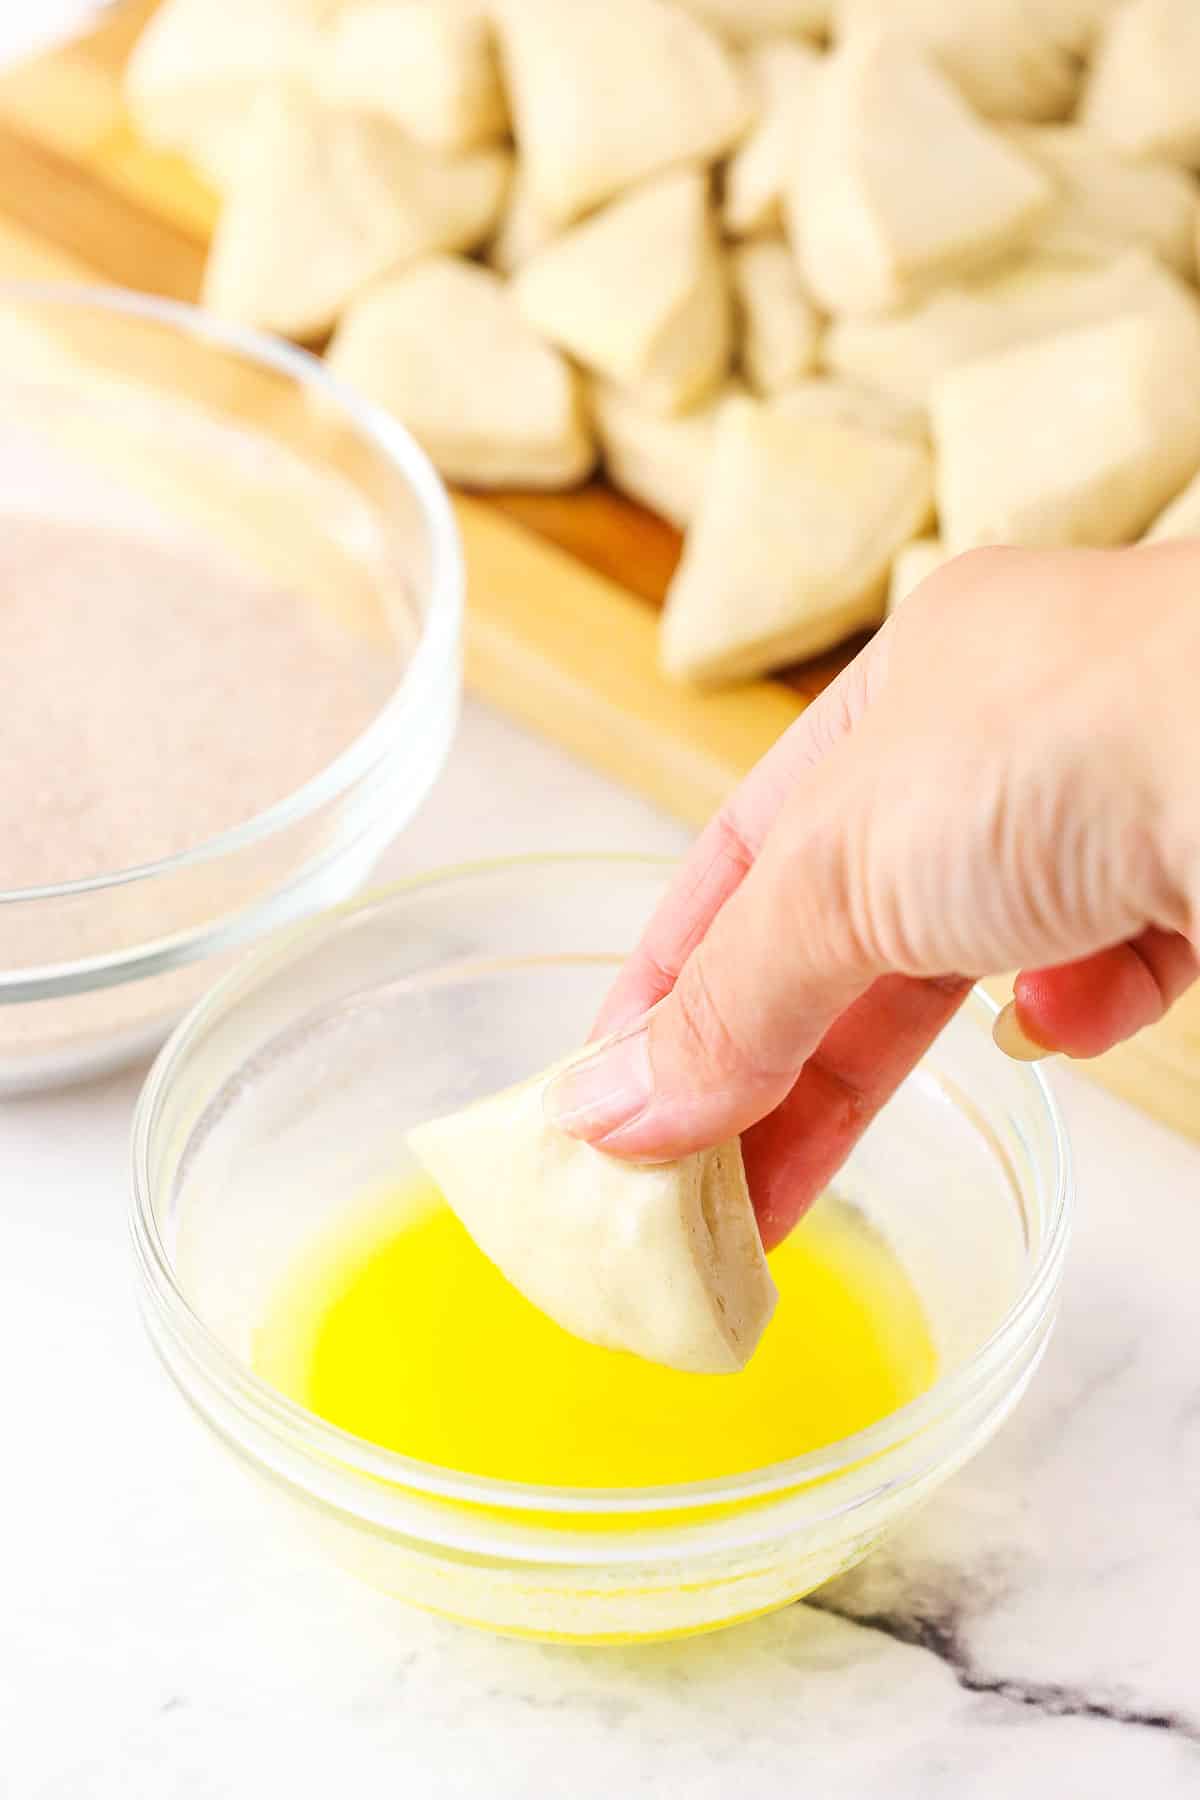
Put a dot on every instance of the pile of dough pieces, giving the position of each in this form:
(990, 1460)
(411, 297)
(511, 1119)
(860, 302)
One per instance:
(839, 287)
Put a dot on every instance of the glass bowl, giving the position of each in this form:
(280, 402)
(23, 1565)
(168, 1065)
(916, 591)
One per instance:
(288, 1091)
(122, 408)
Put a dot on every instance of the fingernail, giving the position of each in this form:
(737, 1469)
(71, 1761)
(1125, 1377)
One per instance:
(605, 1089)
(1011, 1037)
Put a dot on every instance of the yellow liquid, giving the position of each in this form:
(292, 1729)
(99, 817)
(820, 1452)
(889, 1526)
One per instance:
(399, 1330)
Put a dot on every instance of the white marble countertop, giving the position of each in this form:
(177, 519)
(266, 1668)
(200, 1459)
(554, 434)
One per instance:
(1035, 1632)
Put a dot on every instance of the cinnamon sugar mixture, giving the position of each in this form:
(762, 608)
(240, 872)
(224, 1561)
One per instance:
(153, 694)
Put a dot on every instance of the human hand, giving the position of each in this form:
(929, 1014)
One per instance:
(1008, 776)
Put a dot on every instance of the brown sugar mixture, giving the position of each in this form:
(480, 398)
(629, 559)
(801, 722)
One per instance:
(153, 694)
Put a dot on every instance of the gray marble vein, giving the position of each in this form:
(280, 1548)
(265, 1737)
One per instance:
(1065, 1562)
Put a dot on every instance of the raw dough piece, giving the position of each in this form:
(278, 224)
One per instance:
(1079, 438)
(1007, 57)
(1108, 202)
(607, 92)
(522, 231)
(906, 355)
(1144, 91)
(848, 403)
(427, 65)
(663, 1261)
(913, 563)
(194, 73)
(639, 293)
(743, 20)
(443, 347)
(783, 79)
(327, 202)
(779, 324)
(660, 461)
(1181, 519)
(1076, 24)
(790, 548)
(902, 186)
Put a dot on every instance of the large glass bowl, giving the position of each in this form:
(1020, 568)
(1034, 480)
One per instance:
(122, 409)
(288, 1091)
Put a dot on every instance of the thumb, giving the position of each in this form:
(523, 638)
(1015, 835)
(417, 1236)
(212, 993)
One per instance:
(777, 966)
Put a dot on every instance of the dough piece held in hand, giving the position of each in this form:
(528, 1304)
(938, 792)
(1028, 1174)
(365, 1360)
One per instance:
(790, 549)
(328, 201)
(443, 347)
(659, 460)
(1006, 57)
(1079, 438)
(744, 20)
(783, 79)
(607, 92)
(902, 186)
(779, 324)
(913, 563)
(639, 293)
(665, 1261)
(193, 74)
(907, 354)
(427, 65)
(1107, 201)
(1144, 90)
(1179, 520)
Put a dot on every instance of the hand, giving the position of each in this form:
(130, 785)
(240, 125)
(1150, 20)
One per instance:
(1008, 776)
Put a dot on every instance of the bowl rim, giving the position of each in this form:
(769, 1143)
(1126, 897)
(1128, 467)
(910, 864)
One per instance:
(320, 1443)
(440, 627)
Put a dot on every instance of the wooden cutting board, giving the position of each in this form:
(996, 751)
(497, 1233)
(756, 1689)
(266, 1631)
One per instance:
(563, 589)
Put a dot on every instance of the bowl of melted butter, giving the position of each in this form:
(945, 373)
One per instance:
(326, 1313)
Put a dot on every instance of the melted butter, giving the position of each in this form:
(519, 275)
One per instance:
(396, 1328)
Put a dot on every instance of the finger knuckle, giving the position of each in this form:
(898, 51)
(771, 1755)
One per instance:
(708, 1039)
(731, 841)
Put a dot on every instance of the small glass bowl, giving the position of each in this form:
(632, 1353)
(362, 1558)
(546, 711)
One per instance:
(152, 415)
(288, 1091)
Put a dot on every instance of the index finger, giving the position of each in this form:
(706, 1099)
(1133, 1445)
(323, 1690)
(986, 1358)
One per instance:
(725, 851)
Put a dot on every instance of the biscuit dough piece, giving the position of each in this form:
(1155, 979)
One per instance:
(783, 78)
(663, 1261)
(790, 549)
(194, 73)
(1007, 57)
(1144, 91)
(522, 231)
(659, 460)
(428, 65)
(606, 93)
(1181, 519)
(913, 563)
(1079, 438)
(639, 293)
(1077, 24)
(850, 403)
(744, 20)
(902, 186)
(780, 326)
(905, 355)
(442, 346)
(1106, 201)
(328, 201)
